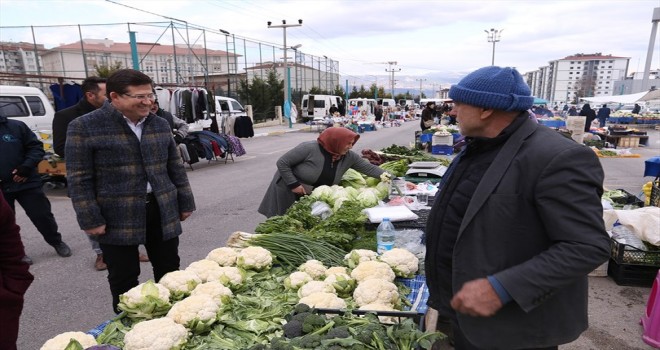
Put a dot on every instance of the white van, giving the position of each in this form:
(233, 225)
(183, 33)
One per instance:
(29, 105)
(363, 104)
(315, 107)
(388, 103)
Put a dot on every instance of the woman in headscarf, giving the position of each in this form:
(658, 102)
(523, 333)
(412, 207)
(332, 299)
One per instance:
(590, 114)
(312, 164)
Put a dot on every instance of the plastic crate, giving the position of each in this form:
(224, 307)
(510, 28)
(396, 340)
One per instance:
(425, 138)
(442, 149)
(624, 254)
(631, 275)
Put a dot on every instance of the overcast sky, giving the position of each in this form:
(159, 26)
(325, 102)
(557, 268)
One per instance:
(437, 40)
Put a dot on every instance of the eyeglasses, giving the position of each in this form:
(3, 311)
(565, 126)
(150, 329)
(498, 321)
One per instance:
(150, 97)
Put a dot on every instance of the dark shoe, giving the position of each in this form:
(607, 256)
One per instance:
(100, 265)
(26, 259)
(63, 250)
(143, 258)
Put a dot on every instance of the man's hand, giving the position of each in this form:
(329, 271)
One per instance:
(299, 190)
(477, 298)
(184, 215)
(21, 174)
(96, 231)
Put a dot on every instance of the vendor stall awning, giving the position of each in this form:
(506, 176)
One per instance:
(540, 101)
(630, 98)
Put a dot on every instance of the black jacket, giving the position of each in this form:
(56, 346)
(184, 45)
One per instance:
(19, 147)
(61, 123)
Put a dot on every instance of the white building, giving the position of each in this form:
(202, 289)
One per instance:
(19, 61)
(579, 75)
(165, 64)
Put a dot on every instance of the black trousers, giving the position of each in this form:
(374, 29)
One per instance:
(37, 207)
(461, 343)
(123, 260)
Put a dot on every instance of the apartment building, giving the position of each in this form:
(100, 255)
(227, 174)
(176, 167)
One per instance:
(19, 60)
(165, 64)
(579, 75)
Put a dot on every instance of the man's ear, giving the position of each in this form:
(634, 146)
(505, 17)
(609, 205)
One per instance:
(486, 113)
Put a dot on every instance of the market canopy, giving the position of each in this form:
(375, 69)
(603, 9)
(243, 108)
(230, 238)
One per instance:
(624, 99)
(540, 101)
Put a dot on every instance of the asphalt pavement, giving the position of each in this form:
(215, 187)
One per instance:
(69, 295)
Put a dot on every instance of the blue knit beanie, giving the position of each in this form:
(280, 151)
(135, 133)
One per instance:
(494, 88)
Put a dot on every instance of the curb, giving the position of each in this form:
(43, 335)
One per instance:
(279, 132)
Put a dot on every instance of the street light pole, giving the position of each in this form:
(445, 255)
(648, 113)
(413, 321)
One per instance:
(420, 88)
(493, 37)
(287, 97)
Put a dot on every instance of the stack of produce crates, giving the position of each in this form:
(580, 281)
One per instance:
(630, 266)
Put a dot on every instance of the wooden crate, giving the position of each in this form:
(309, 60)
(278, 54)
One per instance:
(628, 142)
(46, 168)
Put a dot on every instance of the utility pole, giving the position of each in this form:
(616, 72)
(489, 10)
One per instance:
(287, 95)
(420, 88)
(392, 70)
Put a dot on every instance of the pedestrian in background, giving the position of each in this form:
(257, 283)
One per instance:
(93, 90)
(127, 182)
(428, 113)
(178, 126)
(15, 277)
(586, 111)
(20, 153)
(603, 115)
(516, 226)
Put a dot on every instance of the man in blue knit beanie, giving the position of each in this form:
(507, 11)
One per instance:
(516, 226)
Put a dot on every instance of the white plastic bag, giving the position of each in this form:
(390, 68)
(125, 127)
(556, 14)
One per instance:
(321, 209)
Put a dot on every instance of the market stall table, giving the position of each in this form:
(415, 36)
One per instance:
(552, 123)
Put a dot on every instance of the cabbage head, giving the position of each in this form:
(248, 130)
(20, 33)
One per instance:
(352, 178)
(368, 198)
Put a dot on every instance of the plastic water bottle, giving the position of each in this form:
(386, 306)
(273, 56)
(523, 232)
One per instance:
(385, 235)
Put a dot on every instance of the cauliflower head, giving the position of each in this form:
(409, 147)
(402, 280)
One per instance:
(376, 291)
(342, 283)
(196, 312)
(335, 270)
(403, 262)
(367, 270)
(254, 258)
(231, 276)
(224, 256)
(314, 268)
(205, 269)
(296, 279)
(180, 283)
(315, 287)
(356, 256)
(60, 341)
(147, 300)
(323, 300)
(215, 290)
(157, 334)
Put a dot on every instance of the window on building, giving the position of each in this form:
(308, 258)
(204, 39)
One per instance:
(609, 67)
(570, 73)
(608, 77)
(611, 61)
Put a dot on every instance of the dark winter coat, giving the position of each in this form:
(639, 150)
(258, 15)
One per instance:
(108, 169)
(19, 147)
(61, 123)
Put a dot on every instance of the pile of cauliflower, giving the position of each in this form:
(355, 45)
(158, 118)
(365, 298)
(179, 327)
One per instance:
(188, 301)
(368, 281)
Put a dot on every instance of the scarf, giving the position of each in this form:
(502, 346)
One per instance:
(334, 140)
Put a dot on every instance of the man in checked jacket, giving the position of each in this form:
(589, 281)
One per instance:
(127, 182)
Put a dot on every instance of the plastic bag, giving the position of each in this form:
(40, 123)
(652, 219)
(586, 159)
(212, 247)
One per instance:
(623, 234)
(321, 209)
